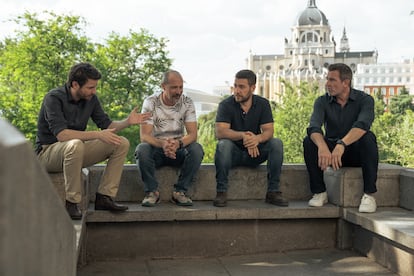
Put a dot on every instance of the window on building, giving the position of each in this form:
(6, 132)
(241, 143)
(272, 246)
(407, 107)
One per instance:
(383, 91)
(392, 91)
(306, 62)
(268, 67)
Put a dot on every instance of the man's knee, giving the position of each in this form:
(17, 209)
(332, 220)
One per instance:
(124, 143)
(74, 147)
(276, 144)
(143, 150)
(196, 150)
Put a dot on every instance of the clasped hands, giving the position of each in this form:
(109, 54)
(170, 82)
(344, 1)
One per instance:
(251, 142)
(333, 159)
(170, 147)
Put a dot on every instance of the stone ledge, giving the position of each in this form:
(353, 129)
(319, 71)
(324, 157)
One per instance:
(407, 189)
(244, 183)
(393, 223)
(204, 210)
(345, 186)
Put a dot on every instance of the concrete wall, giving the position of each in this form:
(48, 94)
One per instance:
(37, 236)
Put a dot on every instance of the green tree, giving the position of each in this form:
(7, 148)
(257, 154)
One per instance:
(207, 136)
(41, 53)
(36, 60)
(292, 118)
(400, 103)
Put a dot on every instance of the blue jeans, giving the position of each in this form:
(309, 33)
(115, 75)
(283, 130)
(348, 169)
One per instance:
(149, 158)
(229, 155)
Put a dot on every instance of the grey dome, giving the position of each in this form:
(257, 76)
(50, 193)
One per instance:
(312, 16)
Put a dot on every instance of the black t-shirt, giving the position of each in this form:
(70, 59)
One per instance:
(59, 111)
(230, 111)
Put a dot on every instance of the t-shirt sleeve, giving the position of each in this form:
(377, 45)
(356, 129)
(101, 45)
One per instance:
(223, 113)
(267, 116)
(190, 114)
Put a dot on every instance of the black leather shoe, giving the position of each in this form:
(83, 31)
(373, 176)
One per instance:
(73, 210)
(220, 200)
(104, 202)
(276, 198)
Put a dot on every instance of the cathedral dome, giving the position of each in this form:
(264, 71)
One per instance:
(312, 16)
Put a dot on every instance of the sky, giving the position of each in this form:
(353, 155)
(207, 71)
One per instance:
(209, 41)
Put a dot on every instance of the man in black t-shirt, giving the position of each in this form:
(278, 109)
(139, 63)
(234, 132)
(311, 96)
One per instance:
(244, 128)
(64, 145)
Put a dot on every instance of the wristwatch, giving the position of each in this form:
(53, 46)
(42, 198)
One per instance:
(180, 142)
(340, 142)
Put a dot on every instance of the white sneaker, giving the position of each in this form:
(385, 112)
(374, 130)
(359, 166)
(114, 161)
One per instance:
(151, 199)
(318, 200)
(368, 204)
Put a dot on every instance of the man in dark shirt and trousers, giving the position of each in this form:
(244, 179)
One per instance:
(347, 115)
(63, 144)
(244, 128)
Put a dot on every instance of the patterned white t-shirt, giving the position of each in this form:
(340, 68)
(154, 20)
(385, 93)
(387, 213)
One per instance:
(169, 121)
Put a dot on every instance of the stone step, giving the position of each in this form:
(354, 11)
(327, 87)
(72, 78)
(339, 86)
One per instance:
(243, 227)
(204, 210)
(386, 236)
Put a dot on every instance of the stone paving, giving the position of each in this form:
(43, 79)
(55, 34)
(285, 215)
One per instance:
(305, 262)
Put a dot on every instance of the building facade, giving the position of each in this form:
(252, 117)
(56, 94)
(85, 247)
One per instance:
(389, 79)
(308, 53)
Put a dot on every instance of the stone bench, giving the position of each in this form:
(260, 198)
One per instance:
(345, 186)
(244, 183)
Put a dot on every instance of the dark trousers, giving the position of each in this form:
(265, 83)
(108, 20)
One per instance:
(363, 153)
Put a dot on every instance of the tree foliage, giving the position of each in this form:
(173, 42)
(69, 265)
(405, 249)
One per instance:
(39, 56)
(400, 103)
(292, 118)
(36, 60)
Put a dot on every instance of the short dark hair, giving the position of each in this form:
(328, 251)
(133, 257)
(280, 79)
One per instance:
(166, 75)
(345, 72)
(247, 74)
(81, 72)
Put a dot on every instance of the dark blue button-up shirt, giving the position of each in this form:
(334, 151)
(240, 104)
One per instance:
(337, 121)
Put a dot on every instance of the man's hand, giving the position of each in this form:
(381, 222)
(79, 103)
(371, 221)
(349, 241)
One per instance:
(170, 147)
(251, 142)
(136, 118)
(324, 158)
(109, 136)
(336, 158)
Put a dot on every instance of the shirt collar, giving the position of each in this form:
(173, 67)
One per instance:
(352, 96)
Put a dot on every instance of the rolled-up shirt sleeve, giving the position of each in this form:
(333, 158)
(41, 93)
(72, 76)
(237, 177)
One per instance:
(54, 114)
(317, 118)
(366, 114)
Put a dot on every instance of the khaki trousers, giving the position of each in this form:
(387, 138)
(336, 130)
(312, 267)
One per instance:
(71, 156)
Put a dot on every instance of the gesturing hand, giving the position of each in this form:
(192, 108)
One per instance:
(135, 118)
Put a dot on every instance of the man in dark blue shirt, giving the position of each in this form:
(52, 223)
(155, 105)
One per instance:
(63, 144)
(244, 128)
(346, 115)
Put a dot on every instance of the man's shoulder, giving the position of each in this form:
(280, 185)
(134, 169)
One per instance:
(228, 100)
(260, 99)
